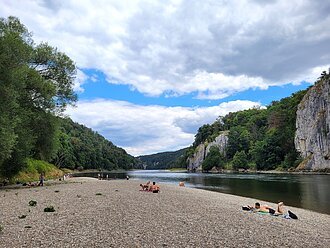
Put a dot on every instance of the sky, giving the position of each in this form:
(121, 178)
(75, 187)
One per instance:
(150, 73)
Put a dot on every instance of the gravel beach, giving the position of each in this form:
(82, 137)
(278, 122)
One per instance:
(93, 213)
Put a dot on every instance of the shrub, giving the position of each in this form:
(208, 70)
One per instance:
(33, 203)
(49, 209)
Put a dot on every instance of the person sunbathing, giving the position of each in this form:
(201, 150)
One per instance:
(267, 209)
(261, 208)
(154, 188)
(280, 208)
(145, 186)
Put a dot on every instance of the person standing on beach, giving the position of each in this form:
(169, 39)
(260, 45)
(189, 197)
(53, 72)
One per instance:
(41, 179)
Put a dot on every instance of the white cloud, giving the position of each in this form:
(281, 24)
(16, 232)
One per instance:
(311, 75)
(149, 129)
(80, 79)
(214, 48)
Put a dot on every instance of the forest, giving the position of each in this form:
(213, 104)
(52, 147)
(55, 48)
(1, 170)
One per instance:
(81, 147)
(36, 86)
(162, 160)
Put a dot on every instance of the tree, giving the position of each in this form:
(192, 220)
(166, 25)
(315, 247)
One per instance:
(213, 159)
(240, 161)
(267, 153)
(36, 82)
(80, 146)
(202, 134)
(238, 140)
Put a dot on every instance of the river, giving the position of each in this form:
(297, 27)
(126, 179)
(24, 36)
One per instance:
(304, 191)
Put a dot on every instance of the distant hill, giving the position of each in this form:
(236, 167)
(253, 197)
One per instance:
(80, 146)
(163, 160)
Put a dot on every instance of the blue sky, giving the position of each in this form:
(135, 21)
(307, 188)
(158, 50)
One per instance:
(104, 89)
(150, 73)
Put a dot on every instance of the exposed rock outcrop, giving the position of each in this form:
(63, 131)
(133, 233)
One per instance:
(195, 162)
(312, 137)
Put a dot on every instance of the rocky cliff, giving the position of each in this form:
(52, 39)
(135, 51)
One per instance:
(312, 137)
(201, 151)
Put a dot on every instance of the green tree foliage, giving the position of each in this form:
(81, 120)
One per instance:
(80, 146)
(203, 133)
(240, 160)
(213, 159)
(264, 137)
(35, 83)
(164, 160)
(238, 140)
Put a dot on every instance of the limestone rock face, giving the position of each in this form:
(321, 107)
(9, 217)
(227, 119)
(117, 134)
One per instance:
(220, 142)
(312, 137)
(195, 162)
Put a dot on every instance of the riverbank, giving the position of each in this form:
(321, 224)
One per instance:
(93, 213)
(265, 172)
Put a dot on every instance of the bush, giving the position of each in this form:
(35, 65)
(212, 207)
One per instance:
(49, 209)
(32, 203)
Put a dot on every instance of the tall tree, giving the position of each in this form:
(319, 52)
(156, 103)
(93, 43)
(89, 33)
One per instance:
(36, 82)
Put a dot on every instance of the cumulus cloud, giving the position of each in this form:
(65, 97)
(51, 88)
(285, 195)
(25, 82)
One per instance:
(80, 79)
(175, 47)
(149, 129)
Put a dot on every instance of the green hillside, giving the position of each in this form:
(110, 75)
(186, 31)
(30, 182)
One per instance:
(80, 146)
(163, 160)
(258, 138)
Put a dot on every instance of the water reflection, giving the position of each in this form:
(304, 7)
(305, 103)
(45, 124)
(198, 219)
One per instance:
(304, 191)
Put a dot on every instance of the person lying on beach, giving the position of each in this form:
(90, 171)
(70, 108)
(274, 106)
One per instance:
(145, 186)
(154, 188)
(261, 208)
(29, 184)
(280, 208)
(267, 209)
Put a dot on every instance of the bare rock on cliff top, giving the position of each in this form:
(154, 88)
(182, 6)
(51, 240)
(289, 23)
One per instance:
(312, 138)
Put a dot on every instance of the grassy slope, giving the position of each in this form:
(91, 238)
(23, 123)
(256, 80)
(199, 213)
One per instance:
(34, 168)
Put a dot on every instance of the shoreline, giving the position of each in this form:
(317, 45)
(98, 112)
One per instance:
(122, 216)
(264, 172)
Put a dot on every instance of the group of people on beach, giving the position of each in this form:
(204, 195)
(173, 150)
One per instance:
(154, 188)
